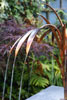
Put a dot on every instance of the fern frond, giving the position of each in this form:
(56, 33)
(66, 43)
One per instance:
(39, 81)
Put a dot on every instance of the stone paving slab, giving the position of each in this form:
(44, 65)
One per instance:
(50, 93)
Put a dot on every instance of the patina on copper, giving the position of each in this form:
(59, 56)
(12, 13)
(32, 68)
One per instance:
(65, 88)
(62, 45)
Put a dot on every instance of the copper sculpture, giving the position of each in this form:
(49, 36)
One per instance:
(61, 38)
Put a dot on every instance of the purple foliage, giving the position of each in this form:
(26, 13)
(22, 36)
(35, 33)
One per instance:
(41, 49)
(10, 31)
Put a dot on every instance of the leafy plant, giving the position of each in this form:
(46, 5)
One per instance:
(37, 76)
(32, 33)
(39, 81)
(62, 15)
(20, 9)
(39, 72)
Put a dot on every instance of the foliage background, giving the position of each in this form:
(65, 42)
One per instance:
(40, 70)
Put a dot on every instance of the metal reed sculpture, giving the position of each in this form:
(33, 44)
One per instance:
(61, 38)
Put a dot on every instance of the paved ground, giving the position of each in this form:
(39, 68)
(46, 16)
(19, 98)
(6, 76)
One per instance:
(51, 93)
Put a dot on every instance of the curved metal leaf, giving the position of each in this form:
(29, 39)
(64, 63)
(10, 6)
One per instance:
(47, 32)
(54, 27)
(14, 45)
(30, 40)
(56, 14)
(22, 41)
(47, 21)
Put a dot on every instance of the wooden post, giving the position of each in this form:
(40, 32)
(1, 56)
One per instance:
(60, 3)
(61, 14)
(47, 13)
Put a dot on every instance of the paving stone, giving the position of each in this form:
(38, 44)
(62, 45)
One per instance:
(50, 93)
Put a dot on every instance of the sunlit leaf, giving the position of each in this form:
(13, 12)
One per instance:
(21, 42)
(30, 40)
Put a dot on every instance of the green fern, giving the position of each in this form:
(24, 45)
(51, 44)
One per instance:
(39, 81)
